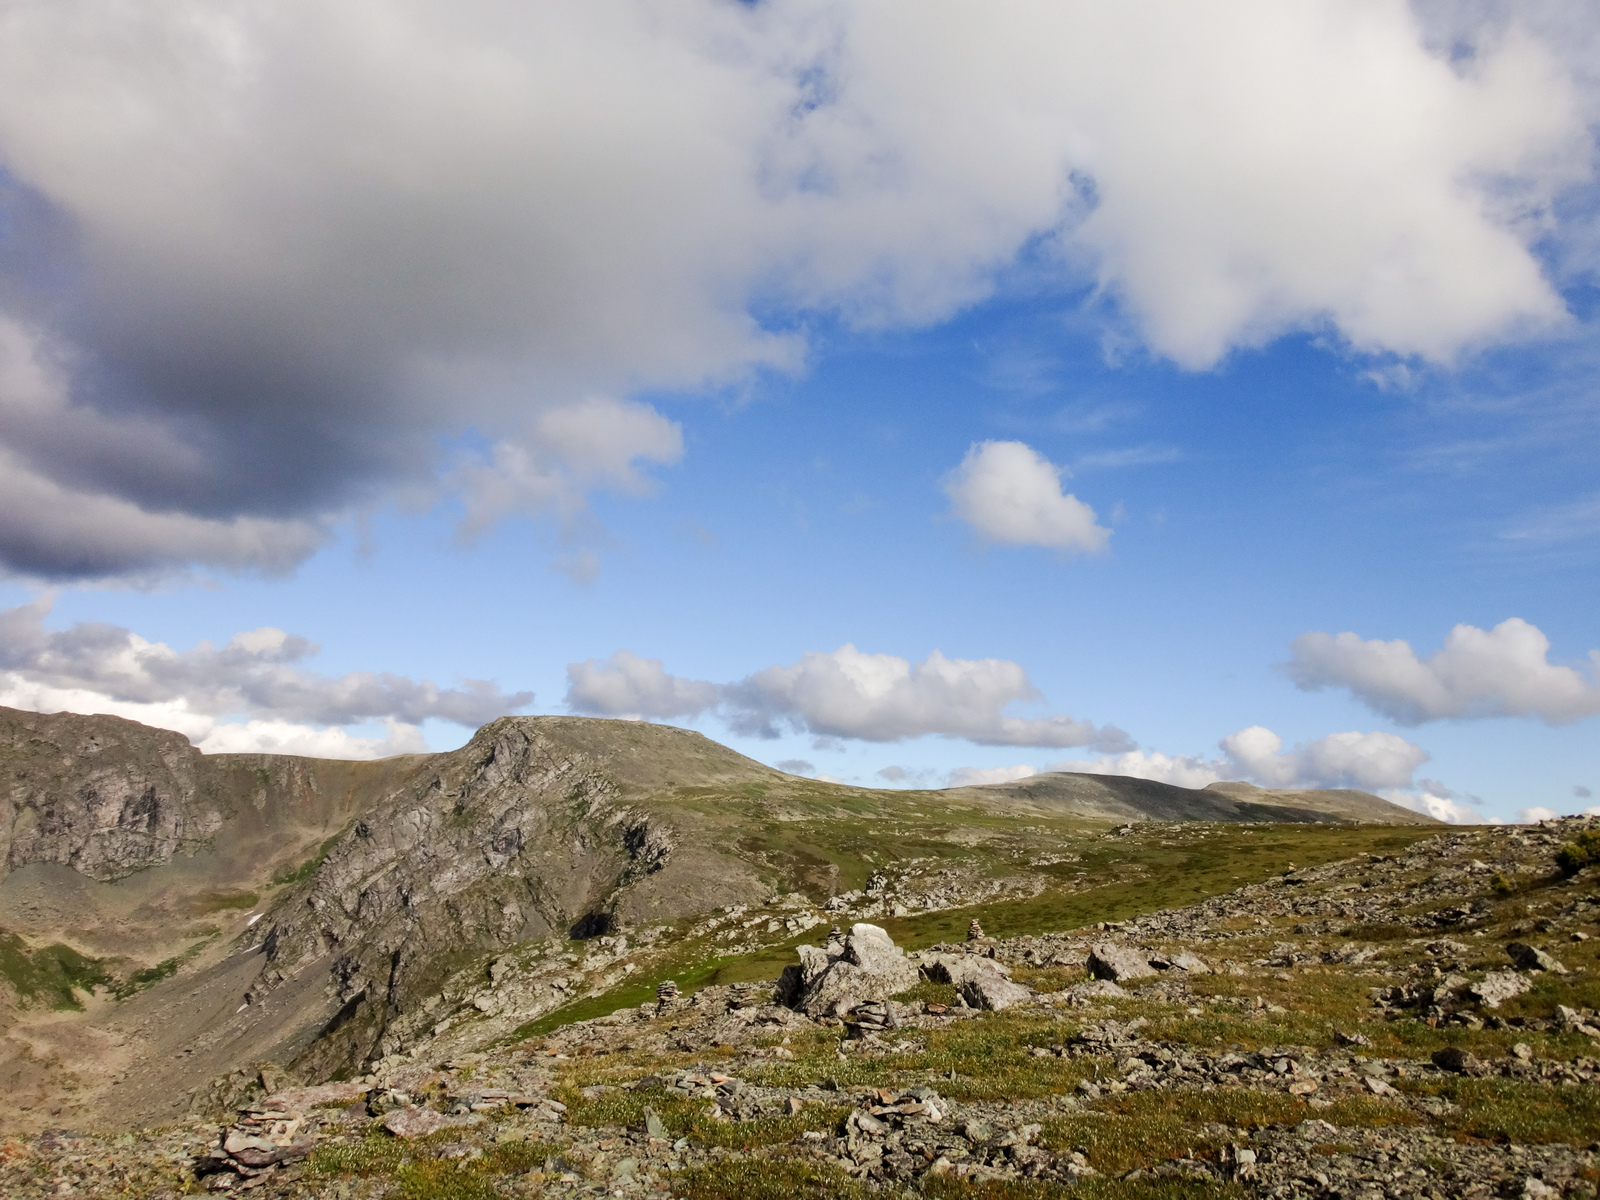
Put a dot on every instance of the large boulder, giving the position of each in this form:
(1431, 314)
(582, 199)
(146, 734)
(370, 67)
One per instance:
(830, 982)
(961, 969)
(984, 982)
(1107, 960)
(1531, 958)
(992, 990)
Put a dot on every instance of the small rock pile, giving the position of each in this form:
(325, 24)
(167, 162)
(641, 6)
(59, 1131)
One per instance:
(666, 991)
(266, 1136)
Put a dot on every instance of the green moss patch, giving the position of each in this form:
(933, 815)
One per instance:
(50, 975)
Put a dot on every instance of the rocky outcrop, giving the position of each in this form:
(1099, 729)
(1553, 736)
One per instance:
(830, 982)
(994, 992)
(514, 837)
(101, 795)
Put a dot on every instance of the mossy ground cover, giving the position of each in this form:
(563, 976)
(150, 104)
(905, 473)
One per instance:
(49, 975)
(417, 1172)
(1516, 1110)
(690, 1118)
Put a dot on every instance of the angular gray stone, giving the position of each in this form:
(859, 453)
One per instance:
(994, 992)
(1096, 987)
(1531, 958)
(1107, 960)
(961, 969)
(411, 1123)
(1186, 961)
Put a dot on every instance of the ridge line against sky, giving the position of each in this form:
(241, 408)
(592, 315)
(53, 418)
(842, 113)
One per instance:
(943, 360)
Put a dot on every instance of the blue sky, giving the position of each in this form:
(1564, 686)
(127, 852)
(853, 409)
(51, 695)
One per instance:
(648, 378)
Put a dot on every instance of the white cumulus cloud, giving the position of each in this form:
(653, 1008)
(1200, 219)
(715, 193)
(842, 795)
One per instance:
(843, 694)
(96, 668)
(1356, 760)
(626, 685)
(1368, 761)
(1444, 807)
(1500, 672)
(1011, 494)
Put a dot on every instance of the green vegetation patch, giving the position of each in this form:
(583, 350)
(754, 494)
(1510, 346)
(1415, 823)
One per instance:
(984, 1058)
(1521, 1111)
(1154, 871)
(165, 969)
(308, 868)
(1089, 1189)
(51, 975)
(376, 1154)
(691, 1118)
(767, 1179)
(1583, 851)
(210, 902)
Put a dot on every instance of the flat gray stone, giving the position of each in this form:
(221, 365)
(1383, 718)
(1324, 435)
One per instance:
(1498, 986)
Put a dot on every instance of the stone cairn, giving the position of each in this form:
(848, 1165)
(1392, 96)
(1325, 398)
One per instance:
(872, 1016)
(974, 931)
(667, 992)
(835, 938)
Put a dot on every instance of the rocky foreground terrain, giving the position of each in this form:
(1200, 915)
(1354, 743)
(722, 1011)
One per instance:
(1411, 1023)
(167, 917)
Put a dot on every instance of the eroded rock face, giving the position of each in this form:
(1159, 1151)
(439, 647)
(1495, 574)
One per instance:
(866, 966)
(1499, 986)
(1531, 958)
(101, 795)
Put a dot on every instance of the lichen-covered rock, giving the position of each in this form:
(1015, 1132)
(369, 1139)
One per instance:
(413, 1123)
(961, 969)
(1185, 961)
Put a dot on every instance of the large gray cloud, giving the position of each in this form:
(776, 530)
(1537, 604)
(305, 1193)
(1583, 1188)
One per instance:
(843, 694)
(258, 261)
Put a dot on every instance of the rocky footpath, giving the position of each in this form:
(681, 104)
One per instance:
(1419, 1025)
